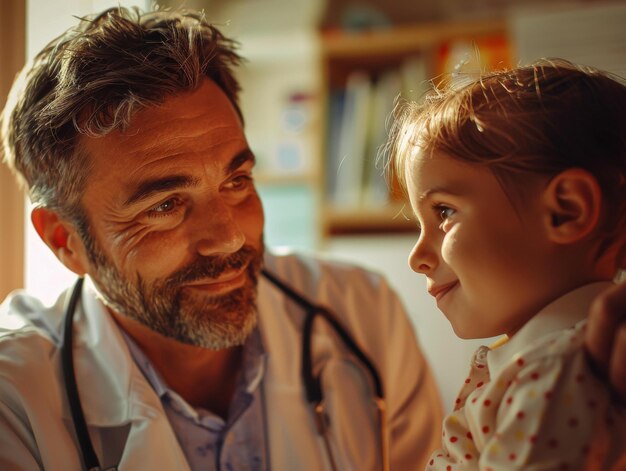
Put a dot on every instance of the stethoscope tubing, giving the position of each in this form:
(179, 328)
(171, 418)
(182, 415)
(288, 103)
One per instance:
(89, 456)
(312, 383)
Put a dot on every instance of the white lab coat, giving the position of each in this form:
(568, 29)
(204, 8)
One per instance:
(125, 417)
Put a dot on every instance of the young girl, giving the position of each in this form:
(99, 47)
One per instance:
(518, 185)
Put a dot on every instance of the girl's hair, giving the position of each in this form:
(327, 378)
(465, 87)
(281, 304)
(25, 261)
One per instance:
(92, 79)
(535, 120)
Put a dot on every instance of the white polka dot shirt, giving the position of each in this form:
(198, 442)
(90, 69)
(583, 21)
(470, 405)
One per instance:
(535, 403)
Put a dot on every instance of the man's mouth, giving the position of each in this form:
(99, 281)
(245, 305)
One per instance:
(226, 282)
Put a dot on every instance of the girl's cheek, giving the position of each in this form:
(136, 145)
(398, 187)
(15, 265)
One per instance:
(447, 226)
(449, 246)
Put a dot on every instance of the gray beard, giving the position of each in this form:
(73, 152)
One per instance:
(165, 307)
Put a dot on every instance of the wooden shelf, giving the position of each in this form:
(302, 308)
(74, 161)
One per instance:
(403, 39)
(361, 220)
(375, 53)
(286, 179)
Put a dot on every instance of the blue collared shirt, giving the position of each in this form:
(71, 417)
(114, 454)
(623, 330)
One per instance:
(208, 441)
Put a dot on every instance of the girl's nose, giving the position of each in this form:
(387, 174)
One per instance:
(422, 258)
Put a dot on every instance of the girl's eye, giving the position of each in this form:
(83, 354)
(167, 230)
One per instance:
(444, 212)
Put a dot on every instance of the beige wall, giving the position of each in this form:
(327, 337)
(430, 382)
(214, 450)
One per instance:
(12, 54)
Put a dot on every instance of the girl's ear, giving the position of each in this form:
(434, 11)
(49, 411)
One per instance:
(573, 203)
(62, 238)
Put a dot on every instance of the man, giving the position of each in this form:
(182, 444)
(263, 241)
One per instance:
(128, 136)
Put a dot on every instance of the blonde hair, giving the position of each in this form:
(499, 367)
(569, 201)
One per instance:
(535, 120)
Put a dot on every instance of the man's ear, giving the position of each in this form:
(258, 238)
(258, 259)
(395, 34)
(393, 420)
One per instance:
(62, 238)
(573, 202)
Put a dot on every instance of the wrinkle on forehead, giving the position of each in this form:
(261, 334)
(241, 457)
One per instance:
(159, 166)
(185, 129)
(188, 114)
(165, 144)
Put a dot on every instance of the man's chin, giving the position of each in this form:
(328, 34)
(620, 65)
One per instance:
(214, 335)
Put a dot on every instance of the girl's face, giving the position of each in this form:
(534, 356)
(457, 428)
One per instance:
(489, 265)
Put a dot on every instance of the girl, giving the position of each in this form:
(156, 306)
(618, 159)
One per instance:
(518, 185)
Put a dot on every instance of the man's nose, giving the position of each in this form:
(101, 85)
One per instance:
(217, 230)
(423, 258)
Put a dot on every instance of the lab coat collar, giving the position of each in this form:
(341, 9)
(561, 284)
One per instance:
(562, 313)
(112, 389)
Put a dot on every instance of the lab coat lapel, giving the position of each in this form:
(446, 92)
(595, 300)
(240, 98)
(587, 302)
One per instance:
(115, 394)
(348, 396)
(109, 382)
(286, 411)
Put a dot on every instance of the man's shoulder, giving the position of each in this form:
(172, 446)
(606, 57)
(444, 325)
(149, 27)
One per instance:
(23, 316)
(28, 343)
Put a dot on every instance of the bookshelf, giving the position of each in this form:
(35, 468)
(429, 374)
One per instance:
(403, 40)
(391, 218)
(380, 65)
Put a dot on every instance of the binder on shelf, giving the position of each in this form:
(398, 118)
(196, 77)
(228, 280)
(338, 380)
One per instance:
(354, 128)
(358, 199)
(415, 78)
(384, 94)
(358, 129)
(336, 100)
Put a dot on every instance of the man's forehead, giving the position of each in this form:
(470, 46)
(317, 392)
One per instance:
(183, 123)
(205, 106)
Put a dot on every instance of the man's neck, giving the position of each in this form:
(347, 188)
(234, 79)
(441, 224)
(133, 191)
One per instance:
(204, 378)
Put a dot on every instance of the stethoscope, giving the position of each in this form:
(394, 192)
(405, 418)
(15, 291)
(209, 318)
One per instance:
(312, 382)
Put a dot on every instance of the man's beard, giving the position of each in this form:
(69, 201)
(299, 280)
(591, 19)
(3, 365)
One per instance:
(184, 314)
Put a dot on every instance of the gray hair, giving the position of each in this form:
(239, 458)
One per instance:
(92, 79)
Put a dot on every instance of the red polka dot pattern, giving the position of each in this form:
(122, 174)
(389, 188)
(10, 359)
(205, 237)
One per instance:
(544, 406)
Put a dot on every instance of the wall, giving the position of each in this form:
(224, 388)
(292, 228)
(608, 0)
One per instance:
(12, 45)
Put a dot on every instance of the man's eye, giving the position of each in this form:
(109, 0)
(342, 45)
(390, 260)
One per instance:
(165, 207)
(240, 182)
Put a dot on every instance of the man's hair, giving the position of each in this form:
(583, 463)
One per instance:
(539, 119)
(92, 79)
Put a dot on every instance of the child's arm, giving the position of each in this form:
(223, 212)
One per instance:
(606, 336)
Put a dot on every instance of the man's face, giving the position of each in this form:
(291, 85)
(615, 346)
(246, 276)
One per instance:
(175, 223)
(489, 264)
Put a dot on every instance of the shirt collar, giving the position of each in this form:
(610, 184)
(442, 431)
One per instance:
(562, 313)
(145, 366)
(253, 365)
